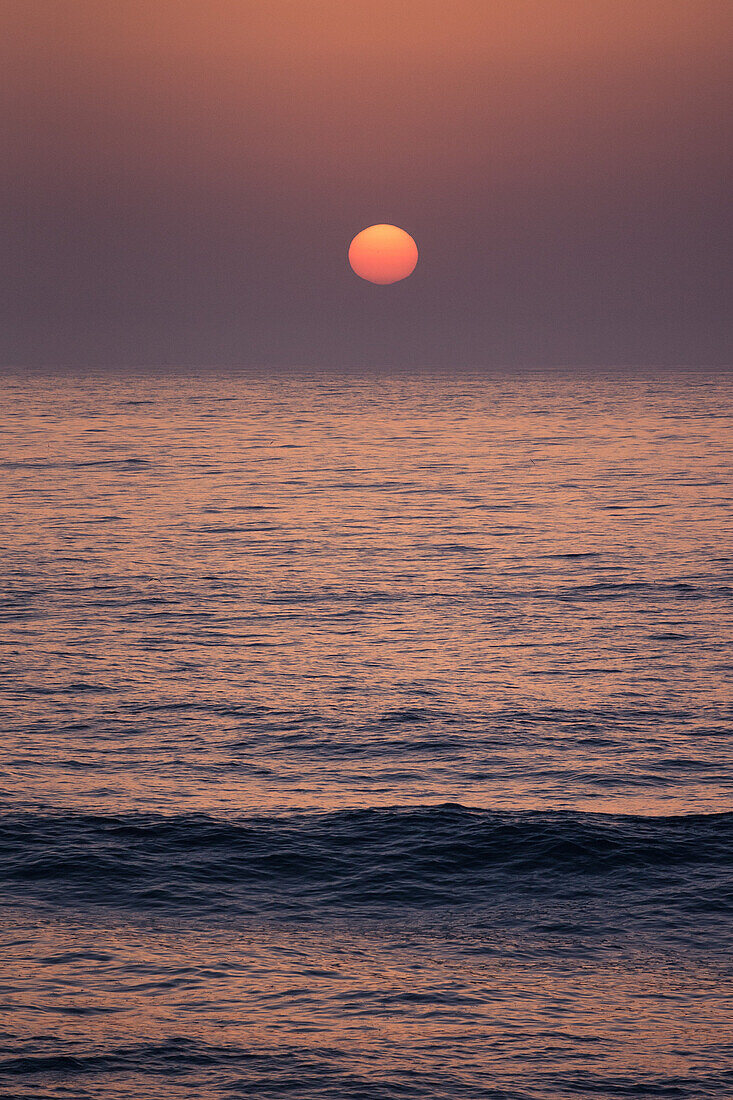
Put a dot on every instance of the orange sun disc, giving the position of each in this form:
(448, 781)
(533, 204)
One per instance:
(383, 254)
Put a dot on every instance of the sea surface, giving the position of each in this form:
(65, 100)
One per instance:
(366, 736)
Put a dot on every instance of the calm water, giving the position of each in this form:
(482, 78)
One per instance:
(366, 738)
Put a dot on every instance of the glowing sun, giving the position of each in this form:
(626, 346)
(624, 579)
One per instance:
(383, 254)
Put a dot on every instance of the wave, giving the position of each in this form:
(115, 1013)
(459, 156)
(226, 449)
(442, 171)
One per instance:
(371, 860)
(326, 1072)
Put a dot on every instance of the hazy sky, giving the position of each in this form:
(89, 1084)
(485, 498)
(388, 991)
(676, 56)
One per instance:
(180, 181)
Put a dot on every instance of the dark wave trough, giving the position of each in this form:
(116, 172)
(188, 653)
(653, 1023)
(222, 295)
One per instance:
(367, 860)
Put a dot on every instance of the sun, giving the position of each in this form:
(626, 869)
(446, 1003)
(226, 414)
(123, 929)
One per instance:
(383, 254)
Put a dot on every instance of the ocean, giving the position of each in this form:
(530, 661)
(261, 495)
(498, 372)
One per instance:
(366, 736)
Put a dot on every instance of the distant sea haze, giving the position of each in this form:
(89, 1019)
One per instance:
(367, 736)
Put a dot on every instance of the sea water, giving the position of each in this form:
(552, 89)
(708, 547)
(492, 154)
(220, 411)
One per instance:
(366, 736)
